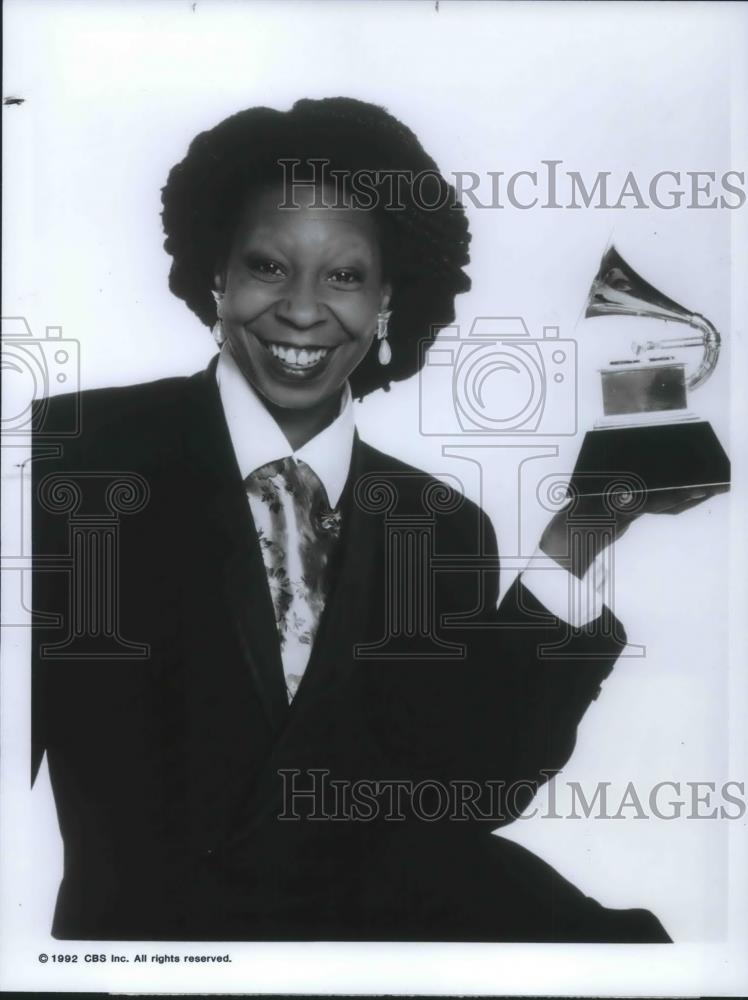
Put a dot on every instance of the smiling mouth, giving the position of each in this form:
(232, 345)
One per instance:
(298, 361)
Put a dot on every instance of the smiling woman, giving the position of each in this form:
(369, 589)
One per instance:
(298, 301)
(260, 620)
(241, 168)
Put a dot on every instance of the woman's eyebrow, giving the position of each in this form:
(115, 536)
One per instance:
(262, 235)
(353, 250)
(356, 254)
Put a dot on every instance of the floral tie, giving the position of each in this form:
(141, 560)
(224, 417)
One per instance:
(297, 532)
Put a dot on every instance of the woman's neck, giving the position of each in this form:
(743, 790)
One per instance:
(300, 426)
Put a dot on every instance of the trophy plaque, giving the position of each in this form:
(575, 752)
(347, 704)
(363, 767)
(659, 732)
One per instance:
(646, 434)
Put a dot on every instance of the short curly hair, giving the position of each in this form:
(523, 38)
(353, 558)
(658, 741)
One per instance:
(425, 239)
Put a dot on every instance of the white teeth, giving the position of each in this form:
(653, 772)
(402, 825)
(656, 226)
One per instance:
(300, 358)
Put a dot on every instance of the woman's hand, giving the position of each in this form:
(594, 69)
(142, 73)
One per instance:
(576, 535)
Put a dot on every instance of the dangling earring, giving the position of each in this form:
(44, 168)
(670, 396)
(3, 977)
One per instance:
(218, 335)
(384, 354)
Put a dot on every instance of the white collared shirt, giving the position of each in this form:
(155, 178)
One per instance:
(257, 439)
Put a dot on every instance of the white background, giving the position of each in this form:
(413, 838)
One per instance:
(113, 94)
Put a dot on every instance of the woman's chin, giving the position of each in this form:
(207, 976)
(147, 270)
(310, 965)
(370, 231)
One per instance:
(298, 395)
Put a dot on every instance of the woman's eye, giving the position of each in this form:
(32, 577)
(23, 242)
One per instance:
(346, 276)
(266, 268)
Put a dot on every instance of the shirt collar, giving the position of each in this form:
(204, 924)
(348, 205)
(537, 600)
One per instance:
(257, 439)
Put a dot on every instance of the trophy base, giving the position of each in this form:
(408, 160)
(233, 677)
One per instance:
(646, 459)
(645, 420)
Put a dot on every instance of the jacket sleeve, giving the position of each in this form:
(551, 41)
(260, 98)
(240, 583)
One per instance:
(535, 676)
(502, 719)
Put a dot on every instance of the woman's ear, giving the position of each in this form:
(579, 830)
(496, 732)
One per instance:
(385, 297)
(219, 282)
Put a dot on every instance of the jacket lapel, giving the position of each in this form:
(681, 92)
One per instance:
(349, 605)
(229, 531)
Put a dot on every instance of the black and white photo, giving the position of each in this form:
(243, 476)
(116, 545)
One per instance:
(373, 458)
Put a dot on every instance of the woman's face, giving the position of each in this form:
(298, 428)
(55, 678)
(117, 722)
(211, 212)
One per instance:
(301, 291)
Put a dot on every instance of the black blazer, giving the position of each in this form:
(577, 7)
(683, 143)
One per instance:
(163, 713)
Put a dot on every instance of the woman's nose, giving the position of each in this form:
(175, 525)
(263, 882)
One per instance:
(300, 306)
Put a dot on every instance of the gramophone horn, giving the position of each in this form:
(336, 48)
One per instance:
(617, 290)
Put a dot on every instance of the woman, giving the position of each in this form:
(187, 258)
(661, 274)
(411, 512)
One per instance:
(257, 741)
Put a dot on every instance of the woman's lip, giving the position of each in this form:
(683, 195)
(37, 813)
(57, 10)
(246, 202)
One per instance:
(293, 372)
(296, 347)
